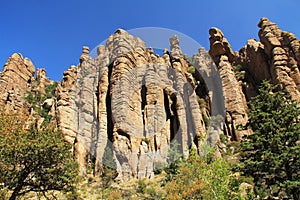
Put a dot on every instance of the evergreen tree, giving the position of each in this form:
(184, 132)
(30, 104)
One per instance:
(271, 155)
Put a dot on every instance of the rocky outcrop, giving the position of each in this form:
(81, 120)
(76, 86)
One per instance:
(235, 102)
(210, 88)
(253, 59)
(219, 45)
(15, 81)
(66, 111)
(128, 107)
(42, 81)
(274, 58)
(130, 102)
(22, 91)
(283, 49)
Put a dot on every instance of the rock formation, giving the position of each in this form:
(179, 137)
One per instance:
(127, 107)
(22, 91)
(207, 75)
(131, 101)
(235, 102)
(65, 112)
(274, 58)
(42, 81)
(15, 81)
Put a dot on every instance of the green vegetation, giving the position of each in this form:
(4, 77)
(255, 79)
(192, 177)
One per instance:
(50, 90)
(36, 100)
(239, 72)
(34, 161)
(40, 162)
(198, 177)
(191, 69)
(271, 154)
(203, 178)
(202, 103)
(141, 186)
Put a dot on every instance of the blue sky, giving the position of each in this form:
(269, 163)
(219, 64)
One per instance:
(52, 33)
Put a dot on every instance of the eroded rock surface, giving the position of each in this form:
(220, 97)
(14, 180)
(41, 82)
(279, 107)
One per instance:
(130, 101)
(15, 81)
(127, 107)
(274, 58)
(283, 50)
(235, 102)
(22, 91)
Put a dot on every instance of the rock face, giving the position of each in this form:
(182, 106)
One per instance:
(207, 73)
(15, 81)
(22, 91)
(283, 49)
(128, 107)
(65, 112)
(235, 102)
(130, 103)
(274, 58)
(42, 81)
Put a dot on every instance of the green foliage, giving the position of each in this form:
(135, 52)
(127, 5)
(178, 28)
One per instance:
(239, 72)
(108, 176)
(50, 90)
(202, 102)
(141, 186)
(154, 193)
(174, 153)
(174, 157)
(158, 167)
(271, 154)
(34, 161)
(206, 120)
(203, 177)
(223, 138)
(36, 100)
(191, 69)
(108, 157)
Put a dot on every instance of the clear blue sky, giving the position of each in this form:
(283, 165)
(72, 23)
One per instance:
(52, 33)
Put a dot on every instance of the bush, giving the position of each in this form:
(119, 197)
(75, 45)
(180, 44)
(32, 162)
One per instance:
(191, 69)
(204, 177)
(141, 187)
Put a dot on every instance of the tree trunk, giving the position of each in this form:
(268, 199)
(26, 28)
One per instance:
(16, 192)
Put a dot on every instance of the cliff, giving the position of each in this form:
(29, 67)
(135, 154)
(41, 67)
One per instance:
(130, 102)
(128, 107)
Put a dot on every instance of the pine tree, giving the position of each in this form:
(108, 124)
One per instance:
(271, 155)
